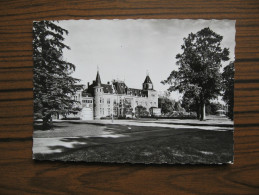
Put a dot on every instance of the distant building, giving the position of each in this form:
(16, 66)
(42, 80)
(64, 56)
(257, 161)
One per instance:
(116, 99)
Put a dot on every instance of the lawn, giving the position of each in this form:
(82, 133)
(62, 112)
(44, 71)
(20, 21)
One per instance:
(137, 144)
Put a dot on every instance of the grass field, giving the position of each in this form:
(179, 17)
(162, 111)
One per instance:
(139, 143)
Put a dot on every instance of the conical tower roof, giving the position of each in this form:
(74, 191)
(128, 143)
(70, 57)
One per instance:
(147, 80)
(98, 79)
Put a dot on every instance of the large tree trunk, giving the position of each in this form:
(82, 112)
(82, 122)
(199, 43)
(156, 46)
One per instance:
(203, 112)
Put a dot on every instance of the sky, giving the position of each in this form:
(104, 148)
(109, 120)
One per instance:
(130, 49)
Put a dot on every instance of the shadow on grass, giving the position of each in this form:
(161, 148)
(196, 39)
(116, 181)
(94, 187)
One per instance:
(200, 124)
(39, 126)
(189, 147)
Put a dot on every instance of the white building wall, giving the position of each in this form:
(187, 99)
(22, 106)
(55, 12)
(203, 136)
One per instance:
(152, 98)
(104, 103)
(107, 105)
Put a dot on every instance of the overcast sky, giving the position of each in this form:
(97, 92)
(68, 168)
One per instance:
(127, 49)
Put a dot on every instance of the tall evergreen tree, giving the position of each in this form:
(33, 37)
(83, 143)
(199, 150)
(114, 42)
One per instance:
(54, 86)
(199, 67)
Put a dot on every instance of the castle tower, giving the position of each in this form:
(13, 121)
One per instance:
(152, 96)
(98, 97)
(147, 85)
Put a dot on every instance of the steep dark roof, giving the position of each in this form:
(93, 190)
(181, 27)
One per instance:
(107, 88)
(98, 79)
(90, 88)
(136, 92)
(86, 94)
(147, 80)
(120, 87)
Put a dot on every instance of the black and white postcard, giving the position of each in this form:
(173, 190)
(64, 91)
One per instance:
(153, 91)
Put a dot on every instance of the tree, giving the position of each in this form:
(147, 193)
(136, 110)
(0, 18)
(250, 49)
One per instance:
(213, 107)
(166, 105)
(127, 108)
(141, 111)
(199, 67)
(54, 86)
(190, 102)
(178, 107)
(228, 88)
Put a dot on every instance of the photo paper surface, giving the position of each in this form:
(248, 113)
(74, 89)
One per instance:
(153, 91)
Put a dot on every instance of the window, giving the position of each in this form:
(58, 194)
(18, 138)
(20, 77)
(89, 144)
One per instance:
(115, 111)
(109, 111)
(100, 100)
(87, 101)
(108, 101)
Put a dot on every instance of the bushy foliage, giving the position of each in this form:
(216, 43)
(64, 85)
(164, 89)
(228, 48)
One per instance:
(166, 105)
(53, 84)
(198, 76)
(228, 88)
(141, 111)
(212, 108)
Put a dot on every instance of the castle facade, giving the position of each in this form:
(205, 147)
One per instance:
(116, 99)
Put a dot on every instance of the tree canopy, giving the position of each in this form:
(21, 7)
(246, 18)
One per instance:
(228, 88)
(166, 105)
(54, 86)
(198, 76)
(141, 111)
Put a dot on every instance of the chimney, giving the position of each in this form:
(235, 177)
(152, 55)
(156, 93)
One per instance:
(88, 84)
